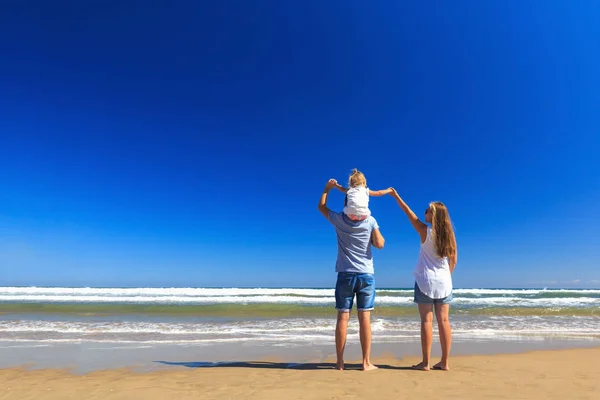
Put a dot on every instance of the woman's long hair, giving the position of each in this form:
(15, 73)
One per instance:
(442, 230)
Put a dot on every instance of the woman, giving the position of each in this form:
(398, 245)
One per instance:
(433, 277)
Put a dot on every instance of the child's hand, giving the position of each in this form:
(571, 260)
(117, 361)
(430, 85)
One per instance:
(331, 184)
(392, 191)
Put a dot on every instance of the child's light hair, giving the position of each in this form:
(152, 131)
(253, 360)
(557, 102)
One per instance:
(356, 179)
(443, 232)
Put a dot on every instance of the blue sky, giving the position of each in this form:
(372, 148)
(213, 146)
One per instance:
(186, 143)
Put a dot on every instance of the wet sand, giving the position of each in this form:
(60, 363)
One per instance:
(554, 374)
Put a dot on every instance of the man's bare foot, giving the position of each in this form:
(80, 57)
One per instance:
(420, 366)
(369, 367)
(441, 367)
(339, 366)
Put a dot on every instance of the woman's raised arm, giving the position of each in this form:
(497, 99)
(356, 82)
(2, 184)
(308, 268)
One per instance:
(419, 226)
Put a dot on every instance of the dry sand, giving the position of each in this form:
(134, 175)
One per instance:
(557, 374)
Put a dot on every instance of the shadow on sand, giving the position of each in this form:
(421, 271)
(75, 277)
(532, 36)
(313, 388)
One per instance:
(271, 365)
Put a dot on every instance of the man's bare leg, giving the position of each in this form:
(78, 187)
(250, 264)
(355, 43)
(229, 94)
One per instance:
(341, 328)
(364, 321)
(426, 314)
(441, 314)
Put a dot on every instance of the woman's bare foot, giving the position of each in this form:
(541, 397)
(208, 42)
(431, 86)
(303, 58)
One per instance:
(422, 366)
(369, 367)
(339, 366)
(441, 367)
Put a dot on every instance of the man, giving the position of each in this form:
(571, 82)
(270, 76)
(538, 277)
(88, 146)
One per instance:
(355, 275)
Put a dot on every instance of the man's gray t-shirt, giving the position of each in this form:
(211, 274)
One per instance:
(354, 243)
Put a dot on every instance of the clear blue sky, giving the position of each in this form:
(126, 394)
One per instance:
(186, 143)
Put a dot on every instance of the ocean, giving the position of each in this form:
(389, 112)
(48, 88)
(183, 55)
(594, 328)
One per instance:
(44, 316)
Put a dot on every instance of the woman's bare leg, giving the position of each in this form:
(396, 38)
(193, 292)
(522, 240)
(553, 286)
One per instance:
(426, 313)
(441, 314)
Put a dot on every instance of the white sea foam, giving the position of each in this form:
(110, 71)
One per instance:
(24, 292)
(76, 327)
(528, 302)
(46, 329)
(296, 326)
(177, 292)
(469, 298)
(54, 298)
(328, 300)
(297, 330)
(524, 292)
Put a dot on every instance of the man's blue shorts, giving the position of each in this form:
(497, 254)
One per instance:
(349, 284)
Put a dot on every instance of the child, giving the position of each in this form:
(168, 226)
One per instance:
(356, 206)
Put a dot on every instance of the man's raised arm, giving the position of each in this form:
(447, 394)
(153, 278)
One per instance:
(323, 201)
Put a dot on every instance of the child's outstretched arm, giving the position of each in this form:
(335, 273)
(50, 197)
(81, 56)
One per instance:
(380, 192)
(341, 188)
(412, 217)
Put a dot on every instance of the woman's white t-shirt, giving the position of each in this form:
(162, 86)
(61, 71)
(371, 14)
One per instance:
(432, 272)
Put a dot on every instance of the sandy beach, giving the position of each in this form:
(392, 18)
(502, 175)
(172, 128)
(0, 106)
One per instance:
(564, 374)
(230, 343)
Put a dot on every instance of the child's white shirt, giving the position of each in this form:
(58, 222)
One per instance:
(358, 201)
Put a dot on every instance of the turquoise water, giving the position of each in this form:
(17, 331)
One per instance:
(151, 316)
(287, 302)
